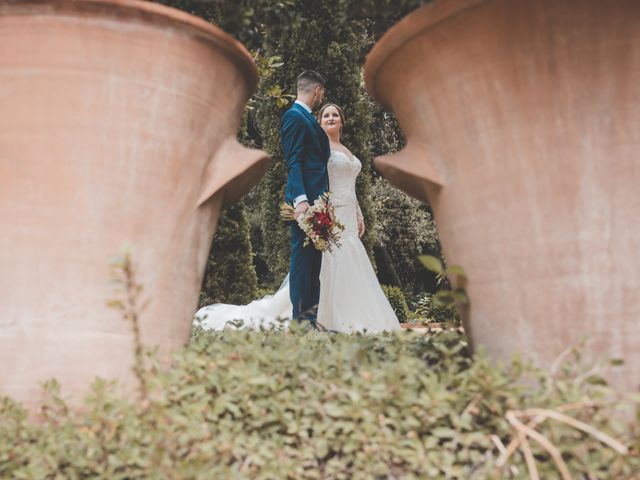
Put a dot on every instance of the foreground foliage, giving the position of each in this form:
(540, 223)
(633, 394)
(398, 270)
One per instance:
(289, 405)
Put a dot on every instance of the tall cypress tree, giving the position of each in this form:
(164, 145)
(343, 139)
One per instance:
(229, 276)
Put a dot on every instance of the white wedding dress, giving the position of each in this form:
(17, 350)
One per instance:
(351, 299)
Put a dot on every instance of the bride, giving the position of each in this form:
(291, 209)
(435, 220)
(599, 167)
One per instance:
(351, 299)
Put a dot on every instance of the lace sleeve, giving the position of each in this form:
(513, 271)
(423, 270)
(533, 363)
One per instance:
(359, 212)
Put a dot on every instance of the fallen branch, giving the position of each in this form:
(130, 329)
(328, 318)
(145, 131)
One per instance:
(544, 443)
(594, 432)
(526, 431)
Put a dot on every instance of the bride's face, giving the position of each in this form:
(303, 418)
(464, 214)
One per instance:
(331, 121)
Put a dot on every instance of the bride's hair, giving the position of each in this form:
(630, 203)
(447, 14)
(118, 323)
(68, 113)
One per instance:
(343, 119)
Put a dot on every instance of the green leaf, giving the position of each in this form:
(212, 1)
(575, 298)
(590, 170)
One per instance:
(443, 432)
(333, 410)
(457, 270)
(274, 91)
(461, 297)
(431, 263)
(443, 298)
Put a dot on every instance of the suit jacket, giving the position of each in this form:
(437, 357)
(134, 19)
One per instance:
(306, 150)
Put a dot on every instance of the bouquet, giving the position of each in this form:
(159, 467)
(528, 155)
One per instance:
(319, 223)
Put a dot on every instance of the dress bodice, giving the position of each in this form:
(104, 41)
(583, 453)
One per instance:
(343, 172)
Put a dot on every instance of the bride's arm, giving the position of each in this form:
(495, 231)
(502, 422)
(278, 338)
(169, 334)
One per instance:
(360, 218)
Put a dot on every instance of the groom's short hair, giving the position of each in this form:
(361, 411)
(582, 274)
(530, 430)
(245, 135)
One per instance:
(308, 80)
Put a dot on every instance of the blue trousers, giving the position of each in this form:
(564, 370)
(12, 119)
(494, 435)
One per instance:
(304, 277)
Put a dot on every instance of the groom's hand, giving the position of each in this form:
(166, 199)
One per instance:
(301, 208)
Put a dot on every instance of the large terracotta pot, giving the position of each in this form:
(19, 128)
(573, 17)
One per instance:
(522, 121)
(118, 123)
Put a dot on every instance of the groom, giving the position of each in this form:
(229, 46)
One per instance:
(306, 150)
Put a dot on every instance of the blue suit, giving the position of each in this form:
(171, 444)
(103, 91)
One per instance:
(306, 150)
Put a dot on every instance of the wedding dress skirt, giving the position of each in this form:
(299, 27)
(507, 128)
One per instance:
(267, 312)
(351, 299)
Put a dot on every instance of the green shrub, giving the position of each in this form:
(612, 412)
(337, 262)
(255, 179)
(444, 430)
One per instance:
(287, 405)
(397, 301)
(407, 229)
(229, 275)
(427, 311)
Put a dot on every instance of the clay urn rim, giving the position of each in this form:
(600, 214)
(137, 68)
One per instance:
(235, 50)
(421, 19)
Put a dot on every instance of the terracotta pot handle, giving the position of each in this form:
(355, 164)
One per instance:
(233, 171)
(412, 170)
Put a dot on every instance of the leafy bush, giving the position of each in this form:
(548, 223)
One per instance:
(406, 228)
(397, 301)
(229, 275)
(286, 405)
(429, 312)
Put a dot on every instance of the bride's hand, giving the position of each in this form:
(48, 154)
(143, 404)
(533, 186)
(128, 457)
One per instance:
(361, 227)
